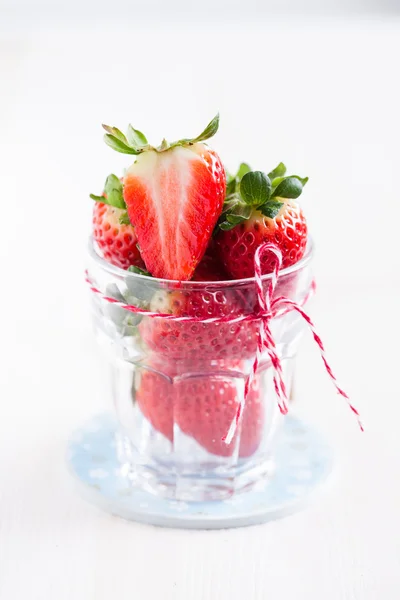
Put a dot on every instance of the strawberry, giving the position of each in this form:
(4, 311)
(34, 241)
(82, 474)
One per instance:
(261, 208)
(203, 408)
(118, 242)
(174, 195)
(186, 340)
(206, 409)
(112, 230)
(209, 269)
(155, 400)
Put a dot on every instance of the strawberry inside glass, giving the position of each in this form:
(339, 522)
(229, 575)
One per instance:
(176, 236)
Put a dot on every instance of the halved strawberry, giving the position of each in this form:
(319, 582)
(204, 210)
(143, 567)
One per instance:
(262, 208)
(174, 195)
(112, 230)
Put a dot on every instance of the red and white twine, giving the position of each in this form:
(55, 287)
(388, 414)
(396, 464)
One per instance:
(269, 308)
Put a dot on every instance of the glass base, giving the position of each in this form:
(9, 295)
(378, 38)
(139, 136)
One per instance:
(284, 484)
(178, 482)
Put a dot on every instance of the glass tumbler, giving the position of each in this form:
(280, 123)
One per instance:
(176, 385)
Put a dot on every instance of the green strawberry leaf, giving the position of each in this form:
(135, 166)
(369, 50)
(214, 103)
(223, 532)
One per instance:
(290, 187)
(113, 191)
(226, 226)
(229, 204)
(243, 169)
(118, 145)
(164, 145)
(255, 188)
(136, 138)
(98, 198)
(232, 181)
(234, 219)
(271, 208)
(209, 131)
(124, 218)
(138, 271)
(239, 210)
(276, 181)
(230, 187)
(116, 133)
(279, 171)
(303, 180)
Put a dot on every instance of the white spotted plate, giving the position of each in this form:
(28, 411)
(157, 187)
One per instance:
(302, 463)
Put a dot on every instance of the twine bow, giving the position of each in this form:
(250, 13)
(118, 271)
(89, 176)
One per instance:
(268, 308)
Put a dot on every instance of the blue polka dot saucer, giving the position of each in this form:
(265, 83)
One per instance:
(302, 463)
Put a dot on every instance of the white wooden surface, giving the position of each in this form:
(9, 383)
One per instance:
(324, 97)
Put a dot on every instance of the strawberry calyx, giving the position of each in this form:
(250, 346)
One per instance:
(113, 196)
(233, 181)
(135, 142)
(248, 191)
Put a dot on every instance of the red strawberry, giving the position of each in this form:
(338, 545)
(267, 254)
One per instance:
(203, 407)
(259, 211)
(251, 430)
(117, 242)
(209, 269)
(112, 230)
(155, 400)
(174, 196)
(192, 340)
(206, 409)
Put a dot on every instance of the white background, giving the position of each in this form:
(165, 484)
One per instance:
(322, 95)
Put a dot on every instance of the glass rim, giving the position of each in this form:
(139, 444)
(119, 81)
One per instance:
(117, 271)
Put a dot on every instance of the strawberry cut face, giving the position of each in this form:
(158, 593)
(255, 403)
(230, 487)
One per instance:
(174, 199)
